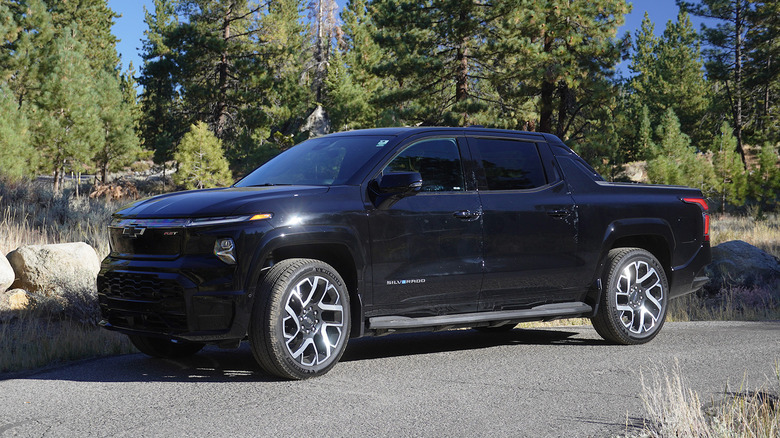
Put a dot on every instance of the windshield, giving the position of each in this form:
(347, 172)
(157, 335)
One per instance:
(319, 161)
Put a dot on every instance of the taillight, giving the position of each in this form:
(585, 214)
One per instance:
(704, 212)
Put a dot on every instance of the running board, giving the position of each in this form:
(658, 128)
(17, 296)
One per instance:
(535, 313)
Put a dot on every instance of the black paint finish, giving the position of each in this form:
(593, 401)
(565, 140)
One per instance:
(503, 242)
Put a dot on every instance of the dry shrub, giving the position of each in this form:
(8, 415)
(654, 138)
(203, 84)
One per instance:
(30, 342)
(121, 190)
(756, 303)
(674, 410)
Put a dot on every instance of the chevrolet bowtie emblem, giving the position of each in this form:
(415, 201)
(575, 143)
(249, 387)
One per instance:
(133, 231)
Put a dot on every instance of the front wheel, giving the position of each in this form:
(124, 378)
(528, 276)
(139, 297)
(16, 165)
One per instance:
(300, 320)
(633, 307)
(164, 348)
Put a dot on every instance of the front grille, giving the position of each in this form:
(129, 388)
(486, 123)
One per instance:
(131, 242)
(143, 301)
(140, 287)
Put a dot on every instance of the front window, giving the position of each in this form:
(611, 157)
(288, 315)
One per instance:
(437, 160)
(320, 161)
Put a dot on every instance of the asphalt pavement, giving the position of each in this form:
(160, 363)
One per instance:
(561, 382)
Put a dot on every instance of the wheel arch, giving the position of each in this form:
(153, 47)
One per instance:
(334, 246)
(651, 234)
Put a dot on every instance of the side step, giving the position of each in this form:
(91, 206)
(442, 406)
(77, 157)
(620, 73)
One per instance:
(535, 313)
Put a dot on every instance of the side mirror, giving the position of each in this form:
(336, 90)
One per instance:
(400, 183)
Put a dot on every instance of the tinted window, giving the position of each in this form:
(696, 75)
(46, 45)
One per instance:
(438, 162)
(326, 160)
(510, 165)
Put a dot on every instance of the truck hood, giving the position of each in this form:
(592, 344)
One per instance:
(216, 202)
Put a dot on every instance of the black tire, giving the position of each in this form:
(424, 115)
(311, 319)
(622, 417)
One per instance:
(164, 348)
(634, 302)
(301, 319)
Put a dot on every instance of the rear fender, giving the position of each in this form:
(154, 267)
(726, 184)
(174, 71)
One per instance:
(653, 234)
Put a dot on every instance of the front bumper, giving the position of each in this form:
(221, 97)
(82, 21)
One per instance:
(192, 298)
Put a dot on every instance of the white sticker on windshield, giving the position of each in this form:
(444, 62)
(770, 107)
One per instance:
(381, 143)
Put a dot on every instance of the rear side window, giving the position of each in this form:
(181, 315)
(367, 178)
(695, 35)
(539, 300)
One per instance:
(438, 162)
(509, 164)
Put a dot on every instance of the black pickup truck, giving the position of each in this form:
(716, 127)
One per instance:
(400, 229)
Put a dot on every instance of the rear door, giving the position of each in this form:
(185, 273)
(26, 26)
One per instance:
(426, 248)
(530, 226)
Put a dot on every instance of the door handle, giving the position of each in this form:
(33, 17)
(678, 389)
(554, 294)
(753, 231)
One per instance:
(467, 214)
(559, 214)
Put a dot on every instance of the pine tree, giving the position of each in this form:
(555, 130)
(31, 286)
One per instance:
(282, 97)
(352, 83)
(682, 85)
(435, 54)
(669, 74)
(726, 52)
(764, 181)
(646, 145)
(201, 160)
(67, 129)
(91, 21)
(731, 180)
(161, 122)
(762, 75)
(676, 162)
(119, 146)
(210, 47)
(17, 157)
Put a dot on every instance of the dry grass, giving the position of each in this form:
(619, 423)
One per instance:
(30, 342)
(33, 214)
(763, 233)
(734, 304)
(674, 410)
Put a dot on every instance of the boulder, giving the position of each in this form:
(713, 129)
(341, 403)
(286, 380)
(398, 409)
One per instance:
(7, 275)
(57, 269)
(741, 265)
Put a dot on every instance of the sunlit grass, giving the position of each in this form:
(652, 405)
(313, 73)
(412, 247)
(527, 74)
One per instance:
(672, 409)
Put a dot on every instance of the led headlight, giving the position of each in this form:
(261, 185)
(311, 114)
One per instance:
(225, 250)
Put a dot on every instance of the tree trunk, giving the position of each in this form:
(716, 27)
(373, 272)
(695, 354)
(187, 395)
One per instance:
(563, 95)
(738, 18)
(546, 110)
(546, 100)
(223, 75)
(57, 173)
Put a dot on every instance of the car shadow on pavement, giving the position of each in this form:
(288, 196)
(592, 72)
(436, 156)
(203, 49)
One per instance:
(218, 365)
(407, 344)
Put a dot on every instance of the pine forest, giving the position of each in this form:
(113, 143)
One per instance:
(225, 85)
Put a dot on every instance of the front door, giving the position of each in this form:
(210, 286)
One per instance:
(426, 248)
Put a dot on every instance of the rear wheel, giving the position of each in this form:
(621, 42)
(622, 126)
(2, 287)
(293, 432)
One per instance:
(300, 321)
(164, 348)
(633, 305)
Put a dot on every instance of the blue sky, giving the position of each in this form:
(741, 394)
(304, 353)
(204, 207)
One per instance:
(129, 28)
